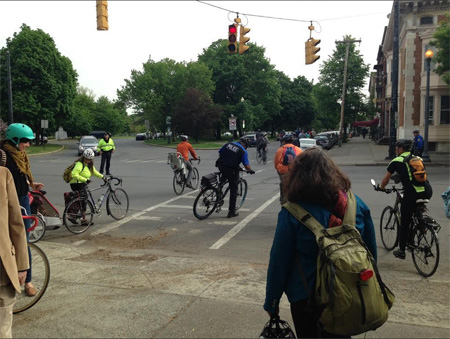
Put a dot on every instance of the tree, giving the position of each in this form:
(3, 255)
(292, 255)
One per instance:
(442, 42)
(196, 115)
(43, 81)
(108, 118)
(331, 83)
(80, 122)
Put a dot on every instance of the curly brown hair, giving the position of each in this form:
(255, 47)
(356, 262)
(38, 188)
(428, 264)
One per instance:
(315, 178)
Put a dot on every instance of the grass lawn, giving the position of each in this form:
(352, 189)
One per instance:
(43, 148)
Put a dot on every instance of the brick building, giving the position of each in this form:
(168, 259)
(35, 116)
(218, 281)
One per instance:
(417, 24)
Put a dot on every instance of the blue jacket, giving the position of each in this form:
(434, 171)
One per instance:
(292, 237)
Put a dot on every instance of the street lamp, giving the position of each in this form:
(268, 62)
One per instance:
(242, 115)
(425, 155)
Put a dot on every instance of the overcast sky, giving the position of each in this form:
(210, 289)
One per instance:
(180, 30)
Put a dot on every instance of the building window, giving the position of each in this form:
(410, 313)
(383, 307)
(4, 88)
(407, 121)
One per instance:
(426, 20)
(445, 109)
(431, 110)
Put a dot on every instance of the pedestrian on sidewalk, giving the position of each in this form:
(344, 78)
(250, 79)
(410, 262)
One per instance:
(106, 148)
(14, 261)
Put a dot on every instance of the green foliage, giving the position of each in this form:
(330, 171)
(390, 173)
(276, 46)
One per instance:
(43, 81)
(442, 42)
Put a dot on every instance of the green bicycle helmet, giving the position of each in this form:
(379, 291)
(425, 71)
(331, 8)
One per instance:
(15, 132)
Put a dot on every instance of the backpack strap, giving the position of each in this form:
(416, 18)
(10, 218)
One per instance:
(350, 213)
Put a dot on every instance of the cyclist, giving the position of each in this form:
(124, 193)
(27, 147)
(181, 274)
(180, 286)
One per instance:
(82, 172)
(18, 138)
(282, 160)
(184, 147)
(231, 155)
(411, 192)
(106, 148)
(261, 142)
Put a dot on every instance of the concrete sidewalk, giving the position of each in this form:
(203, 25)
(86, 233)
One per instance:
(364, 152)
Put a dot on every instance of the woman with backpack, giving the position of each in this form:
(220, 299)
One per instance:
(317, 185)
(18, 138)
(83, 170)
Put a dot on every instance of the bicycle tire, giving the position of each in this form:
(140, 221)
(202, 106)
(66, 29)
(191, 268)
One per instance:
(264, 158)
(389, 228)
(425, 259)
(117, 203)
(241, 193)
(258, 157)
(195, 178)
(205, 203)
(39, 231)
(73, 215)
(41, 279)
(178, 182)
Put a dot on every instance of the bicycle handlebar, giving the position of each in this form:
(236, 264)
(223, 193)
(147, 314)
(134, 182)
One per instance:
(109, 179)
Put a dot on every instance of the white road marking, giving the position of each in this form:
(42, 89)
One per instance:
(78, 243)
(145, 217)
(236, 229)
(178, 206)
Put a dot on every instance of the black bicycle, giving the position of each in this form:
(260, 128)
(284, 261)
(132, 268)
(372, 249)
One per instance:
(79, 213)
(261, 155)
(213, 191)
(180, 172)
(422, 241)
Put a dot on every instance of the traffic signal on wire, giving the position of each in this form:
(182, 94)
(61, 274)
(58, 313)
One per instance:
(102, 15)
(311, 50)
(243, 40)
(232, 38)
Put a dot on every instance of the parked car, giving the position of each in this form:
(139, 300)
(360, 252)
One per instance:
(227, 134)
(306, 143)
(331, 136)
(44, 138)
(140, 136)
(87, 141)
(251, 139)
(324, 141)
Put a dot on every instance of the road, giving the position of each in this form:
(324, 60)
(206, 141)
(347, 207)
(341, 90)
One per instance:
(162, 273)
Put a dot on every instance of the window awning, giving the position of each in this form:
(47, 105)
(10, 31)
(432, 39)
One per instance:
(366, 123)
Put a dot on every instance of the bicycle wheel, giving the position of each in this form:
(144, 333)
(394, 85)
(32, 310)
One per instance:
(425, 250)
(117, 203)
(264, 157)
(389, 225)
(241, 193)
(39, 231)
(41, 277)
(205, 203)
(78, 215)
(178, 182)
(195, 178)
(258, 157)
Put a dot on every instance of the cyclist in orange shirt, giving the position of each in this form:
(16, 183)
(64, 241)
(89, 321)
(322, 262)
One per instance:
(184, 147)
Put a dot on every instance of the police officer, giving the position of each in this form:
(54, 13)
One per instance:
(411, 193)
(418, 143)
(106, 148)
(231, 155)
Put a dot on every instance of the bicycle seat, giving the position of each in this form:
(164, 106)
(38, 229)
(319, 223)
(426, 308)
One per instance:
(422, 201)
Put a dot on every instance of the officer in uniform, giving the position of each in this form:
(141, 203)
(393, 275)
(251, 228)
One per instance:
(231, 155)
(106, 148)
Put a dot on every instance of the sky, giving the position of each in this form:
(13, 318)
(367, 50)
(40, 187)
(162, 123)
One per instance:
(180, 30)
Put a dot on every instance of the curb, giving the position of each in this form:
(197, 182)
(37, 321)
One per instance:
(45, 153)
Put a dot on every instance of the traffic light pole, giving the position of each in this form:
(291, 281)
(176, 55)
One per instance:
(341, 124)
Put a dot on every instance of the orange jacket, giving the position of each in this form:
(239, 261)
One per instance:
(184, 148)
(278, 160)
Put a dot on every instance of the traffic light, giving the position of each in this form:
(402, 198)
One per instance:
(232, 38)
(102, 15)
(311, 50)
(243, 40)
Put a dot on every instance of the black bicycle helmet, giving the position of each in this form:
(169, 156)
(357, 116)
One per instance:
(288, 139)
(243, 141)
(404, 143)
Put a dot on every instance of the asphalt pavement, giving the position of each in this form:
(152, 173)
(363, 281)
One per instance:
(116, 288)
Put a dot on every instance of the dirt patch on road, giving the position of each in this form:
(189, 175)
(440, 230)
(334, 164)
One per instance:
(127, 242)
(113, 256)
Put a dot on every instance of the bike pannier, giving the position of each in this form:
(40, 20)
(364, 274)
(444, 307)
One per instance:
(209, 180)
(174, 159)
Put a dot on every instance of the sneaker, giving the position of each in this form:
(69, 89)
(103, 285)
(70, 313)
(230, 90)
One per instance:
(30, 291)
(86, 223)
(232, 214)
(399, 254)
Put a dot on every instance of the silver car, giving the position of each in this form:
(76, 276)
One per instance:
(86, 142)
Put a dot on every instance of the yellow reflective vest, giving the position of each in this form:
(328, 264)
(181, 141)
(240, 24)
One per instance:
(106, 146)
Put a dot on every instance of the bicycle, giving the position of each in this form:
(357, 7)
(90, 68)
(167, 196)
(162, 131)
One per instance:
(79, 213)
(178, 165)
(261, 156)
(47, 215)
(213, 192)
(422, 239)
(41, 274)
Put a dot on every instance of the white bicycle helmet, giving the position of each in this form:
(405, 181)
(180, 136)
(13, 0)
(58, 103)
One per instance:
(88, 154)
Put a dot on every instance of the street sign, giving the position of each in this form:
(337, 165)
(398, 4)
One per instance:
(232, 122)
(44, 123)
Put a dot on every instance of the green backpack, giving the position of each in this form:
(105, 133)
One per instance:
(349, 298)
(67, 175)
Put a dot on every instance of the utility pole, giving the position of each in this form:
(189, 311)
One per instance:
(394, 92)
(341, 124)
(8, 72)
